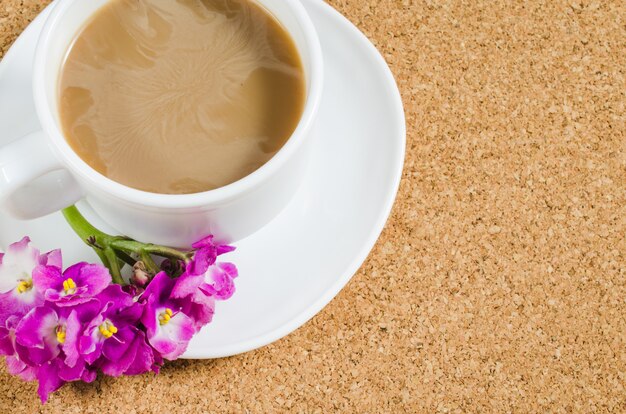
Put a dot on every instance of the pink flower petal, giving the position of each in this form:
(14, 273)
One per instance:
(73, 329)
(49, 380)
(187, 285)
(37, 328)
(95, 277)
(19, 304)
(144, 358)
(219, 281)
(48, 277)
(17, 264)
(16, 367)
(53, 258)
(171, 339)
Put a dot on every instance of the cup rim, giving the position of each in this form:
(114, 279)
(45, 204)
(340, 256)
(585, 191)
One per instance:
(179, 201)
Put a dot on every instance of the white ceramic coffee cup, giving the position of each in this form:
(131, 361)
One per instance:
(230, 213)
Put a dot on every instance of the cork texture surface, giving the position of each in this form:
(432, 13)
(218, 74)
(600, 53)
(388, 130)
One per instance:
(499, 283)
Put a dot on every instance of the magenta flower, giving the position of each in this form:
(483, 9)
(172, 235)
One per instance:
(109, 329)
(46, 331)
(18, 293)
(54, 374)
(78, 284)
(7, 336)
(15, 366)
(57, 327)
(9, 348)
(42, 332)
(205, 281)
(206, 254)
(112, 341)
(75, 322)
(128, 354)
(198, 293)
(217, 282)
(199, 307)
(124, 348)
(168, 328)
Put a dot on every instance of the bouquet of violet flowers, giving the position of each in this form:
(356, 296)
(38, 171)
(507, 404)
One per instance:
(59, 326)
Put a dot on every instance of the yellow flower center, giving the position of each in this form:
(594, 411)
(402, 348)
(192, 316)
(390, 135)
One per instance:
(165, 317)
(107, 329)
(61, 334)
(69, 286)
(24, 286)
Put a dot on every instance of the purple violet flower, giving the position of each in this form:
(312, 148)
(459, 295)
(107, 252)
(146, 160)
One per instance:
(55, 373)
(41, 332)
(58, 327)
(18, 293)
(199, 307)
(199, 293)
(206, 254)
(9, 348)
(216, 282)
(219, 281)
(78, 284)
(7, 336)
(168, 328)
(47, 330)
(111, 334)
(15, 366)
(129, 354)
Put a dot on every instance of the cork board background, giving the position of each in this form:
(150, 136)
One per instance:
(499, 283)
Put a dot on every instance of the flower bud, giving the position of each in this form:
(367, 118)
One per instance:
(140, 276)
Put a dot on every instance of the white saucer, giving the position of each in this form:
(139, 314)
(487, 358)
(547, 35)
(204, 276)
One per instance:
(292, 268)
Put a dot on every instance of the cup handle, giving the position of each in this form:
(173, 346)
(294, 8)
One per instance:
(21, 163)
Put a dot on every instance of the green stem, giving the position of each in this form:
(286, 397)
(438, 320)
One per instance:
(93, 237)
(128, 246)
(114, 266)
(131, 246)
(103, 258)
(151, 266)
(81, 226)
(168, 252)
(114, 251)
